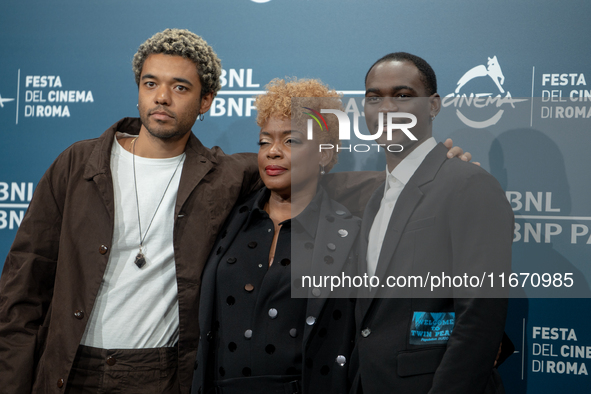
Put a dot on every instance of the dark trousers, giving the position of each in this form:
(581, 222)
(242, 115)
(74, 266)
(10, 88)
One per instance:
(129, 371)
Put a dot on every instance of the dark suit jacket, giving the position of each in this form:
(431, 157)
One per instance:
(453, 216)
(332, 333)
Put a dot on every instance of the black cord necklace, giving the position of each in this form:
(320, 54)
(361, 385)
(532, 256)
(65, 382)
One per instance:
(140, 259)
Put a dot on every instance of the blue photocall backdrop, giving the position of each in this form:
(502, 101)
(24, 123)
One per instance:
(65, 75)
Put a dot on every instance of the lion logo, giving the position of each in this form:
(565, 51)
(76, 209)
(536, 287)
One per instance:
(481, 100)
(493, 70)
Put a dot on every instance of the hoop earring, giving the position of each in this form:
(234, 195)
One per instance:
(201, 116)
(322, 170)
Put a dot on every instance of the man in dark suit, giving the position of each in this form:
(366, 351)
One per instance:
(433, 216)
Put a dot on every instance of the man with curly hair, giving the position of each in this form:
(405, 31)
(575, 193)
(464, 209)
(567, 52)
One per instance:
(100, 289)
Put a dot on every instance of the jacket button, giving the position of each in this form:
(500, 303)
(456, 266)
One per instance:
(103, 249)
(111, 360)
(60, 383)
(79, 315)
(341, 360)
(209, 336)
(365, 332)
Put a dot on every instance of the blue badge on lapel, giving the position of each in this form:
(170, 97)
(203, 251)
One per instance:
(429, 328)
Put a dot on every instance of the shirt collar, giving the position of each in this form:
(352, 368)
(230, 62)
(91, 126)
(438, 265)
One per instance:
(307, 219)
(408, 166)
(257, 211)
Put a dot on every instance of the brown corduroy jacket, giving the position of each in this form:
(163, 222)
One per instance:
(53, 271)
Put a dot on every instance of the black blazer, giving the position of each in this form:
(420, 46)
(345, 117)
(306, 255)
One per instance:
(453, 214)
(332, 333)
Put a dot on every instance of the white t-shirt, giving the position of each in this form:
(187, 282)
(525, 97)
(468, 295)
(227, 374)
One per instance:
(138, 307)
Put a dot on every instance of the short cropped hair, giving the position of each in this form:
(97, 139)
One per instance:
(180, 42)
(276, 102)
(427, 74)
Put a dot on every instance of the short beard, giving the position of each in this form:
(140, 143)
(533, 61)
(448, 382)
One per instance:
(165, 135)
(170, 136)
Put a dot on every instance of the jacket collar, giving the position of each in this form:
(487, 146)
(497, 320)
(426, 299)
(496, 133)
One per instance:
(409, 198)
(198, 161)
(308, 218)
(100, 159)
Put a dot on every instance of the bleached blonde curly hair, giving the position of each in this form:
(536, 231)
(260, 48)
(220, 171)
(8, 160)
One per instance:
(181, 42)
(311, 93)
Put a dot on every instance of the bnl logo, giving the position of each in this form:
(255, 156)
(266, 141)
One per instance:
(345, 124)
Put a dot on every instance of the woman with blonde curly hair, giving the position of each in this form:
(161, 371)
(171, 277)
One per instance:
(256, 338)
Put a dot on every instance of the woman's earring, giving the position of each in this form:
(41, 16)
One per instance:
(322, 170)
(201, 116)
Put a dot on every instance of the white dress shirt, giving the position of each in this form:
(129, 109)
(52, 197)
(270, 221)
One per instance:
(395, 182)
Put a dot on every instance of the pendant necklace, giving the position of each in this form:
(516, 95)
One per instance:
(140, 259)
